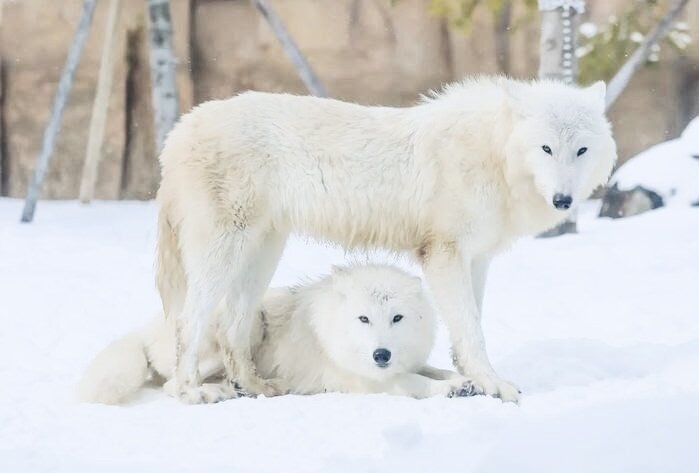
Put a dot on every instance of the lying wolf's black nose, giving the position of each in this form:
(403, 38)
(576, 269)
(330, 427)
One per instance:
(382, 356)
(562, 202)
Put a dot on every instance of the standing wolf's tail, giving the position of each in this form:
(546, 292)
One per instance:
(169, 271)
(116, 373)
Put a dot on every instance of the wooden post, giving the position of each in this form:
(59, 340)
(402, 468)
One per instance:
(162, 69)
(303, 68)
(98, 119)
(59, 103)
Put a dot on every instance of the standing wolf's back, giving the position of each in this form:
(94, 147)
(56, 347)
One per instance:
(335, 170)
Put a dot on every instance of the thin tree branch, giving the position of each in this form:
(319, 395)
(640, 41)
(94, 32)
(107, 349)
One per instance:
(302, 66)
(59, 103)
(622, 78)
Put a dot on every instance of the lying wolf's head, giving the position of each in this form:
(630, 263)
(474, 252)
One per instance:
(374, 321)
(561, 146)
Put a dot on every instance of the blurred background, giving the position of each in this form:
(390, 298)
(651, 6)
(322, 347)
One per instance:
(369, 51)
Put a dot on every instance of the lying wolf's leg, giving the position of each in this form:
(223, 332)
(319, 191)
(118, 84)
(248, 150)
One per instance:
(242, 324)
(449, 274)
(420, 387)
(439, 374)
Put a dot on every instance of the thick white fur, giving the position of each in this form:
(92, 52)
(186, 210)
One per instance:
(453, 180)
(309, 338)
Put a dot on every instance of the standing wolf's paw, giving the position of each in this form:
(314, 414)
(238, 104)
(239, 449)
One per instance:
(490, 384)
(207, 393)
(467, 389)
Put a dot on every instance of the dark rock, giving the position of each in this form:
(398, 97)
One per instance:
(618, 203)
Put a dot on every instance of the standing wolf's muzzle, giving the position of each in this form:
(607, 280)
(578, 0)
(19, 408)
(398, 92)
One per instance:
(562, 202)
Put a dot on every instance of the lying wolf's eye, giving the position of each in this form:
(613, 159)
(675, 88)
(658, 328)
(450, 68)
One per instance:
(397, 318)
(364, 319)
(547, 149)
(582, 151)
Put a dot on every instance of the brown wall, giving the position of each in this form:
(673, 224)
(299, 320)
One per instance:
(363, 50)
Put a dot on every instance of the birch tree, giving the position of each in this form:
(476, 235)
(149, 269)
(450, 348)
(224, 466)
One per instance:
(162, 69)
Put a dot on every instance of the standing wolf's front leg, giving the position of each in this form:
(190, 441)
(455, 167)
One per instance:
(448, 273)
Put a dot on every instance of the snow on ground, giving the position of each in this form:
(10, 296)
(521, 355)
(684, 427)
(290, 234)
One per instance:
(670, 169)
(599, 329)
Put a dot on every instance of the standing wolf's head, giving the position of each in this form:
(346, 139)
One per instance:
(561, 145)
(374, 321)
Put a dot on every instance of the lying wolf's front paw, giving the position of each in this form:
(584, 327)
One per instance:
(491, 385)
(264, 387)
(465, 390)
(206, 393)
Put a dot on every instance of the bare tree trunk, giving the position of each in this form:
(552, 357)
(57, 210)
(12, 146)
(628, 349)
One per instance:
(303, 68)
(59, 103)
(162, 67)
(502, 37)
(557, 61)
(622, 78)
(98, 119)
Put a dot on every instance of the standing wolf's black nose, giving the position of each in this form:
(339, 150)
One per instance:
(381, 357)
(562, 202)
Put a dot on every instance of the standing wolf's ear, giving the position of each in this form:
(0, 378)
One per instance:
(516, 93)
(514, 90)
(598, 90)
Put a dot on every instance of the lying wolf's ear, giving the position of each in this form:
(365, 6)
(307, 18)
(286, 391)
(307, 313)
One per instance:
(337, 269)
(598, 90)
(337, 273)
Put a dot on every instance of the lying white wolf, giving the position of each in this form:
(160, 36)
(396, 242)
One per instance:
(363, 329)
(452, 180)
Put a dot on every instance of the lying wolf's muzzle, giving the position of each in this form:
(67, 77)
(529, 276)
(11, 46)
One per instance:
(382, 357)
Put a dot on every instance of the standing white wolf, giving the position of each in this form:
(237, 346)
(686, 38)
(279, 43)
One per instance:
(452, 180)
(363, 329)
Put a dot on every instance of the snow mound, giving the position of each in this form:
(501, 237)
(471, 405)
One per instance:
(670, 169)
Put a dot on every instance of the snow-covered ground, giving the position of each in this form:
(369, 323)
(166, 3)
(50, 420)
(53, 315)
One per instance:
(599, 329)
(670, 169)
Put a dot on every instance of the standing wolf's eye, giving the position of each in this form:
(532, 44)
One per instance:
(582, 151)
(547, 149)
(364, 319)
(397, 318)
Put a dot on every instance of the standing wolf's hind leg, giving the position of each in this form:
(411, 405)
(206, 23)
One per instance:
(208, 275)
(241, 323)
